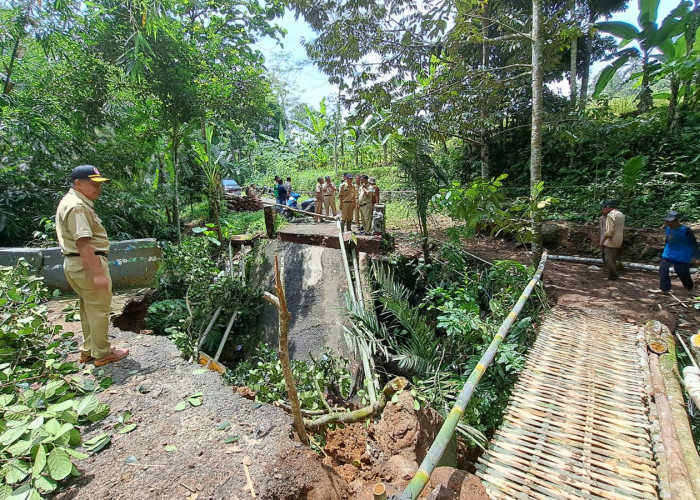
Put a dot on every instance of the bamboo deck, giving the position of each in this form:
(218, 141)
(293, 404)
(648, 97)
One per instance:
(577, 423)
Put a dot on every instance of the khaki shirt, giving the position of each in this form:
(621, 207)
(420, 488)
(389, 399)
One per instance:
(328, 189)
(364, 196)
(614, 228)
(347, 193)
(318, 192)
(75, 219)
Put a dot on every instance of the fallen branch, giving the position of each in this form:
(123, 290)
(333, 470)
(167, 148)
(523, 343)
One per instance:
(308, 413)
(372, 410)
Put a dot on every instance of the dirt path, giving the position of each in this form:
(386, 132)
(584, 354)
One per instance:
(149, 384)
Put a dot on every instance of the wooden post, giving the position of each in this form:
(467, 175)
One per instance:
(270, 222)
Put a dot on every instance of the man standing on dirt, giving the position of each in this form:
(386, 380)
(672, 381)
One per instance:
(318, 198)
(329, 197)
(347, 203)
(85, 246)
(612, 226)
(680, 250)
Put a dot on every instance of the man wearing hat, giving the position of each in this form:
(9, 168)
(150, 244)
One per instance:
(329, 197)
(347, 203)
(680, 249)
(85, 246)
(612, 227)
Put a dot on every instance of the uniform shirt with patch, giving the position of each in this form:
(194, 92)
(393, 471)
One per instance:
(75, 219)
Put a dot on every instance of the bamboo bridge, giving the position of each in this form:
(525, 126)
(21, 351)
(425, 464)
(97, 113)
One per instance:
(597, 413)
(577, 425)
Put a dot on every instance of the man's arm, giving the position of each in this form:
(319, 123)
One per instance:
(92, 263)
(692, 240)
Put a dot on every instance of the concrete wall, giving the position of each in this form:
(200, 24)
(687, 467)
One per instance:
(132, 263)
(315, 290)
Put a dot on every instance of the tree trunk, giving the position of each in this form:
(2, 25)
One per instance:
(536, 135)
(483, 131)
(335, 135)
(693, 25)
(646, 99)
(583, 97)
(8, 84)
(176, 204)
(572, 71)
(280, 302)
(673, 111)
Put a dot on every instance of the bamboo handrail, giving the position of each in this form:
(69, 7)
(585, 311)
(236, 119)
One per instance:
(415, 487)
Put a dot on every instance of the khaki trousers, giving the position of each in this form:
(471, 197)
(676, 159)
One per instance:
(329, 202)
(318, 207)
(94, 306)
(346, 210)
(366, 216)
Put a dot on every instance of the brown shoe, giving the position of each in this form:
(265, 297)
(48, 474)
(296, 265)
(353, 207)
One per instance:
(113, 356)
(86, 358)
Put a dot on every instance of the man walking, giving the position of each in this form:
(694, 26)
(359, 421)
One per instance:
(680, 249)
(612, 226)
(329, 197)
(347, 203)
(85, 246)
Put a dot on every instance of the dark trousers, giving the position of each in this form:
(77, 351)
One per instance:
(682, 270)
(610, 256)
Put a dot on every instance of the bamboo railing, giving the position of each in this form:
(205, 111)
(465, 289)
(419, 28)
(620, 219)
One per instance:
(415, 487)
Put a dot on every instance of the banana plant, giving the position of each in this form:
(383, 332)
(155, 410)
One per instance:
(652, 41)
(209, 157)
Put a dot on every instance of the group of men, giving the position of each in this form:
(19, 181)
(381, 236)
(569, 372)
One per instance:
(282, 190)
(357, 196)
(680, 249)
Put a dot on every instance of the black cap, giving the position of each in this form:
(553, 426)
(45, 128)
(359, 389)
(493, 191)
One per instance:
(671, 215)
(610, 203)
(349, 176)
(87, 172)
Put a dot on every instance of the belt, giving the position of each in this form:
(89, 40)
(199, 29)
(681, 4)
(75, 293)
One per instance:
(363, 204)
(101, 254)
(327, 195)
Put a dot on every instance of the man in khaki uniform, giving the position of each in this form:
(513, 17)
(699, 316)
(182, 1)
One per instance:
(85, 246)
(347, 203)
(612, 227)
(329, 197)
(364, 200)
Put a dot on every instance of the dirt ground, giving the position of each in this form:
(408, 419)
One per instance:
(185, 454)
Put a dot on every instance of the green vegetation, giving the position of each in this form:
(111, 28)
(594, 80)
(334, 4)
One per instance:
(433, 325)
(263, 374)
(42, 403)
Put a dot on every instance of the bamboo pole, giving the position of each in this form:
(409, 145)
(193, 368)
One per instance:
(591, 260)
(280, 302)
(298, 210)
(346, 265)
(681, 454)
(415, 487)
(379, 491)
